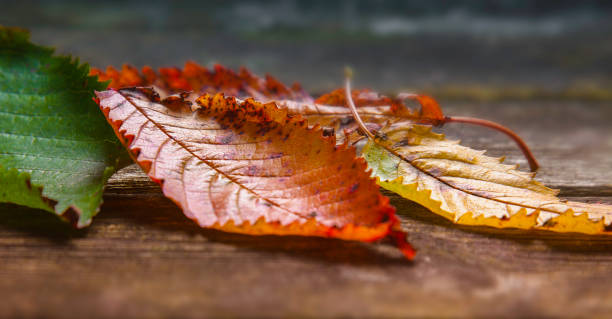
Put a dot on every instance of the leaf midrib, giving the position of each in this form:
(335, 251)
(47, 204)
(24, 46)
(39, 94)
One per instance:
(459, 189)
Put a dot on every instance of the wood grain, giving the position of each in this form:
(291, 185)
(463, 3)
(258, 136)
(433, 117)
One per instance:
(143, 258)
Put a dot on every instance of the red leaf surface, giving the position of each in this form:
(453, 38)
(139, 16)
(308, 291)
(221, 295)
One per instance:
(201, 80)
(247, 167)
(329, 110)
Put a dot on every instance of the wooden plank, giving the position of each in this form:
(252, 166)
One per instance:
(142, 257)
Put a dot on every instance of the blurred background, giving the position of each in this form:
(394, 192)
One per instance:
(460, 49)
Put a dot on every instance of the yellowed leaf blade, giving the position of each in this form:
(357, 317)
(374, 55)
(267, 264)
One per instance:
(469, 188)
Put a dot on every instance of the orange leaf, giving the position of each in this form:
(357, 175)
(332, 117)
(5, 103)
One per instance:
(360, 97)
(247, 167)
(375, 108)
(193, 77)
(329, 110)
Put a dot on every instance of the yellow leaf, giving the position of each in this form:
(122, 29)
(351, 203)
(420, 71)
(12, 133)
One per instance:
(469, 188)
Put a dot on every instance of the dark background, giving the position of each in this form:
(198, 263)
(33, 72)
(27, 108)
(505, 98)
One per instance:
(454, 49)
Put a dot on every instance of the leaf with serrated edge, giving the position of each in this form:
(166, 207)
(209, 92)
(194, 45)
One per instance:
(200, 80)
(248, 167)
(329, 110)
(470, 188)
(56, 150)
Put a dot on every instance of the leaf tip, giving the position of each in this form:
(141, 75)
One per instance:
(400, 239)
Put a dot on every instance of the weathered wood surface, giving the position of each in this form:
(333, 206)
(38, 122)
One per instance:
(143, 258)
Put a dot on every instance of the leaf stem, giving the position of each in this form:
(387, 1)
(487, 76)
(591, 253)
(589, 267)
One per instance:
(396, 234)
(533, 163)
(440, 120)
(349, 98)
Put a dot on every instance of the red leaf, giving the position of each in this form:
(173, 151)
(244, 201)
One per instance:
(194, 77)
(250, 168)
(330, 110)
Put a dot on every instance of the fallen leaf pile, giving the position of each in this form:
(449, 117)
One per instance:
(251, 155)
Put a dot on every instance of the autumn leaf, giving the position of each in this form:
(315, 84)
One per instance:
(470, 188)
(467, 187)
(200, 80)
(247, 167)
(56, 151)
(329, 110)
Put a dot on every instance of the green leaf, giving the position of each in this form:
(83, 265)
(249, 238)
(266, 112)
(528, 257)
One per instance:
(56, 149)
